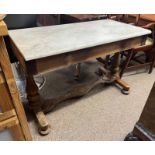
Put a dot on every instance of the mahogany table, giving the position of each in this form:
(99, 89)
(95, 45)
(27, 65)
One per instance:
(48, 48)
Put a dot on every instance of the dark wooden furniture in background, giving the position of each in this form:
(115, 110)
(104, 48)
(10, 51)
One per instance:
(74, 18)
(49, 19)
(147, 50)
(136, 55)
(144, 18)
(145, 127)
(13, 115)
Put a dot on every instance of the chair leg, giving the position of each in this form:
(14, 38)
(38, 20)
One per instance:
(122, 54)
(127, 61)
(107, 59)
(152, 64)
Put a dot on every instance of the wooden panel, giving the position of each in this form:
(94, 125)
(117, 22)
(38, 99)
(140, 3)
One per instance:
(49, 19)
(8, 123)
(145, 127)
(6, 105)
(147, 117)
(6, 115)
(1, 78)
(6, 101)
(13, 98)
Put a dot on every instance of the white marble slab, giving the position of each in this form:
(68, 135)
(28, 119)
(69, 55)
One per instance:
(35, 43)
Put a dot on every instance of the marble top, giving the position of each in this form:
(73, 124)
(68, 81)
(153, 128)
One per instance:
(40, 42)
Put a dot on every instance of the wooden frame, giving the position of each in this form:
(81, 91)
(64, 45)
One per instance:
(14, 115)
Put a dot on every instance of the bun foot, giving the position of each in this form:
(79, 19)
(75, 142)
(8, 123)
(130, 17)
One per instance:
(125, 92)
(43, 131)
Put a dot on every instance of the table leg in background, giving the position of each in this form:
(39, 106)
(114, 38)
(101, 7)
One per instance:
(35, 104)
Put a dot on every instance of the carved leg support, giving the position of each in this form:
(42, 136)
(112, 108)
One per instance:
(77, 91)
(115, 73)
(35, 104)
(124, 85)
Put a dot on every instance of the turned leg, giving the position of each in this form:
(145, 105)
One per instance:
(35, 105)
(116, 74)
(115, 65)
(107, 59)
(153, 62)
